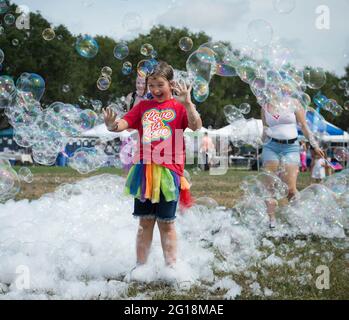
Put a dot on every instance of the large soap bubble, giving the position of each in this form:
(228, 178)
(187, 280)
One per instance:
(186, 44)
(9, 181)
(202, 63)
(7, 91)
(32, 83)
(260, 32)
(121, 51)
(201, 89)
(284, 6)
(315, 78)
(87, 47)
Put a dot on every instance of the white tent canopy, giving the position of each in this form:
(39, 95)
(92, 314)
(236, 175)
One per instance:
(101, 131)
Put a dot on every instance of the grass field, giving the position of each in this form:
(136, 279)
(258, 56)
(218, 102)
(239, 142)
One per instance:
(292, 280)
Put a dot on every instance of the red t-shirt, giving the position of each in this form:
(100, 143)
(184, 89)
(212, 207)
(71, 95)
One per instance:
(161, 127)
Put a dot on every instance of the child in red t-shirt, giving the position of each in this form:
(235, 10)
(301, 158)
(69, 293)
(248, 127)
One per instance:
(156, 179)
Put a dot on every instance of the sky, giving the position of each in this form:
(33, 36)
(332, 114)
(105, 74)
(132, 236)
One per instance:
(228, 20)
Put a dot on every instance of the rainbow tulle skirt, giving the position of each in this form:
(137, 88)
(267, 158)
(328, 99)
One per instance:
(146, 181)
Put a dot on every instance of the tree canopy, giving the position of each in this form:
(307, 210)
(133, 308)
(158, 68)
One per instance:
(59, 64)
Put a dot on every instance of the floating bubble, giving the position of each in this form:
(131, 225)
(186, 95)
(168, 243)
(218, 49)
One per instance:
(9, 19)
(332, 106)
(60, 37)
(232, 113)
(9, 182)
(97, 105)
(2, 56)
(31, 83)
(206, 202)
(88, 119)
(4, 7)
(106, 71)
(121, 51)
(201, 89)
(66, 88)
(7, 91)
(343, 84)
(2, 30)
(341, 154)
(87, 47)
(186, 44)
(202, 63)
(48, 34)
(247, 71)
(132, 21)
(147, 49)
(103, 83)
(284, 6)
(225, 61)
(346, 105)
(315, 78)
(15, 42)
(260, 32)
(25, 175)
(245, 108)
(146, 67)
(86, 160)
(126, 68)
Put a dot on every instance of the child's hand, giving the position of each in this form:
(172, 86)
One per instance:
(183, 92)
(110, 119)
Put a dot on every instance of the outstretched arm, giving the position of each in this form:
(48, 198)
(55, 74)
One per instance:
(300, 115)
(113, 124)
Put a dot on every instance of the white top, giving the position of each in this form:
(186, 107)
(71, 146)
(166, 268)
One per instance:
(283, 126)
(318, 169)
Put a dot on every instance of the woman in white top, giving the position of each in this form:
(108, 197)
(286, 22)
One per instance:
(283, 146)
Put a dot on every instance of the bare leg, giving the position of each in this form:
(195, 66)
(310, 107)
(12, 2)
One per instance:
(144, 239)
(271, 166)
(290, 178)
(168, 242)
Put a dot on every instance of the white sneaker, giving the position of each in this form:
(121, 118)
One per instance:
(272, 223)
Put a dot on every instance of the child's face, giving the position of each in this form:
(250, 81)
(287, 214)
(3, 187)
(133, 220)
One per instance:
(140, 85)
(160, 88)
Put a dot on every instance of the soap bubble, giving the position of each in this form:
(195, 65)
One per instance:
(48, 34)
(247, 71)
(86, 160)
(147, 49)
(126, 68)
(232, 113)
(87, 47)
(15, 42)
(121, 51)
(88, 119)
(346, 105)
(284, 6)
(9, 19)
(343, 84)
(31, 83)
(315, 78)
(2, 56)
(224, 61)
(103, 83)
(106, 71)
(2, 30)
(332, 106)
(9, 182)
(132, 21)
(201, 89)
(260, 32)
(202, 63)
(206, 202)
(4, 7)
(25, 175)
(66, 88)
(146, 67)
(245, 108)
(251, 211)
(7, 91)
(341, 154)
(186, 44)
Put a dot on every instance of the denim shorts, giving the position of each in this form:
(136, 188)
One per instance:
(163, 211)
(274, 151)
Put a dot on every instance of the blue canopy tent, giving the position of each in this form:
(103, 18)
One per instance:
(328, 131)
(6, 133)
